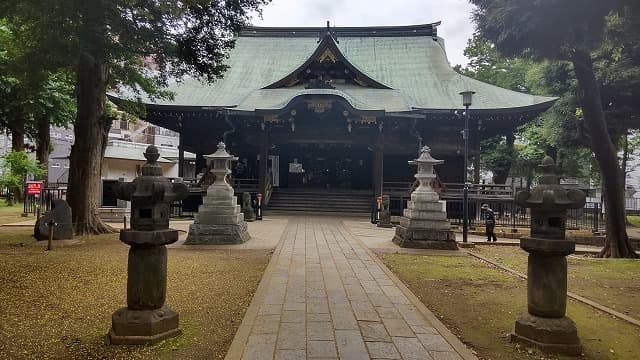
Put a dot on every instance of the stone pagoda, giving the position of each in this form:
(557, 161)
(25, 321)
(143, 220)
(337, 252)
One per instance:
(219, 219)
(424, 224)
(545, 325)
(146, 319)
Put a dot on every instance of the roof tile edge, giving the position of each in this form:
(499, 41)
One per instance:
(361, 31)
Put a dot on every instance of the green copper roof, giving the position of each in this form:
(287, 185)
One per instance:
(415, 67)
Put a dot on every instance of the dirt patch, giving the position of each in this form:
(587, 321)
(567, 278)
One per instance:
(479, 303)
(58, 304)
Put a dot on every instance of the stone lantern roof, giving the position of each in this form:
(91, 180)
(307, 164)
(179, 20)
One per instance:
(549, 194)
(221, 153)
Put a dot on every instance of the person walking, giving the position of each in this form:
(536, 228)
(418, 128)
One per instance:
(490, 222)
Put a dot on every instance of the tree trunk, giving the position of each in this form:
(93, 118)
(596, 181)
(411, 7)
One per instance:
(617, 242)
(88, 148)
(43, 143)
(17, 135)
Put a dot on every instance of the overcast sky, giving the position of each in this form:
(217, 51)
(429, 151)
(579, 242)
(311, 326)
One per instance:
(455, 15)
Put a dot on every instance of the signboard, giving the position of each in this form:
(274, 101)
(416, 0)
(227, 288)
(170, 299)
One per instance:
(34, 187)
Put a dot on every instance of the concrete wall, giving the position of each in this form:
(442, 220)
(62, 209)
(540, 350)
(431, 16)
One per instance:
(114, 169)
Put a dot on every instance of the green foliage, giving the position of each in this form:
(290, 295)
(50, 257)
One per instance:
(16, 167)
(30, 95)
(498, 155)
(559, 130)
(552, 28)
(487, 65)
(634, 220)
(145, 43)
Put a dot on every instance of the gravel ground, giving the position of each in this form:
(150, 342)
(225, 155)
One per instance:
(58, 304)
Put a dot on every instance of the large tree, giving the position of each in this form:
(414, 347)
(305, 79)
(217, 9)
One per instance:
(569, 30)
(106, 43)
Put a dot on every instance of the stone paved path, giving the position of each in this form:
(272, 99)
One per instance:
(325, 296)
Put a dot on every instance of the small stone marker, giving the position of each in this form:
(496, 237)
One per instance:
(385, 214)
(60, 214)
(219, 219)
(247, 207)
(424, 224)
(545, 325)
(146, 319)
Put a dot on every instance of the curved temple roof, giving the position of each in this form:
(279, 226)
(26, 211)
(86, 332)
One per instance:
(403, 69)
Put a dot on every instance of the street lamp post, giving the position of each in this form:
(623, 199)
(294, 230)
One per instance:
(466, 102)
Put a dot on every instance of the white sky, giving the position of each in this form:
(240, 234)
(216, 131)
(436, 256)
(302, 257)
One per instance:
(455, 15)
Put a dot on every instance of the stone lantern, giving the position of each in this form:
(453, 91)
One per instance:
(545, 325)
(219, 219)
(146, 319)
(424, 224)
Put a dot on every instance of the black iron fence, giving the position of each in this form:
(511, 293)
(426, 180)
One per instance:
(509, 214)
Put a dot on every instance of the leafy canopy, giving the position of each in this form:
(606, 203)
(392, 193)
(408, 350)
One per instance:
(144, 42)
(16, 167)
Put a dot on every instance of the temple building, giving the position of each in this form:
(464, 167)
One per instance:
(337, 108)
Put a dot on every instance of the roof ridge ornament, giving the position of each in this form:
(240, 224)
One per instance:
(328, 32)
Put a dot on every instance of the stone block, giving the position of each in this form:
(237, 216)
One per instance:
(424, 197)
(557, 335)
(425, 238)
(426, 206)
(424, 224)
(60, 213)
(137, 327)
(425, 215)
(205, 217)
(200, 234)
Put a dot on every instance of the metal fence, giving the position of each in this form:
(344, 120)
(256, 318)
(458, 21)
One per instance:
(509, 214)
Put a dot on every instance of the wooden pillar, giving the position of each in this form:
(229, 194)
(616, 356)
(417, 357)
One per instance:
(180, 153)
(262, 165)
(476, 156)
(201, 162)
(378, 166)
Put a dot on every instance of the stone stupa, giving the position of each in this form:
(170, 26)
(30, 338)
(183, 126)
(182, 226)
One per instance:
(424, 224)
(219, 219)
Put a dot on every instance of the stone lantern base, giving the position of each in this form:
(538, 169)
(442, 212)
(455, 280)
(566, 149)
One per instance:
(554, 335)
(138, 327)
(201, 234)
(425, 238)
(425, 226)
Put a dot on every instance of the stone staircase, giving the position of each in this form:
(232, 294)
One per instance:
(321, 201)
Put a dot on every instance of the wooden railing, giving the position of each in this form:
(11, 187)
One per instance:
(245, 185)
(397, 188)
(478, 191)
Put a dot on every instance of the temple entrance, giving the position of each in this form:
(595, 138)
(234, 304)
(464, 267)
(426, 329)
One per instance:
(324, 166)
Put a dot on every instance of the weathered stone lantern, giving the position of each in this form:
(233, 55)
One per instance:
(146, 319)
(424, 224)
(219, 219)
(545, 325)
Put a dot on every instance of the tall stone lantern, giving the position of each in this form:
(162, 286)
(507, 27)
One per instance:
(424, 224)
(147, 319)
(545, 325)
(219, 219)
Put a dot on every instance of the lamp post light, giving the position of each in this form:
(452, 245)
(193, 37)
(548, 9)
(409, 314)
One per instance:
(466, 102)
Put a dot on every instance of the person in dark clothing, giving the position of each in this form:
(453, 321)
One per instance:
(490, 222)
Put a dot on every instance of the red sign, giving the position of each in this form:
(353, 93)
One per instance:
(34, 187)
